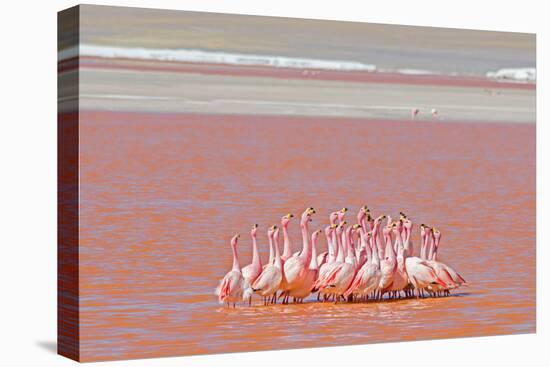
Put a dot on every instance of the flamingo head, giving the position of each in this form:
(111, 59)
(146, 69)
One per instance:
(333, 217)
(275, 233)
(342, 213)
(407, 224)
(402, 216)
(340, 228)
(271, 230)
(306, 215)
(363, 211)
(379, 219)
(329, 229)
(316, 234)
(235, 239)
(436, 234)
(387, 229)
(427, 231)
(286, 219)
(369, 235)
(254, 230)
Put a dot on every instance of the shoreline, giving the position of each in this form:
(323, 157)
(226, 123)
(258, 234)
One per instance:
(378, 76)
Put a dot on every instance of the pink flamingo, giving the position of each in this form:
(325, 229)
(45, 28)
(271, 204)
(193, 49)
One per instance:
(311, 275)
(329, 267)
(361, 251)
(421, 275)
(407, 227)
(332, 232)
(437, 266)
(253, 270)
(367, 278)
(414, 112)
(400, 278)
(296, 267)
(269, 281)
(457, 279)
(338, 280)
(230, 289)
(330, 255)
(388, 264)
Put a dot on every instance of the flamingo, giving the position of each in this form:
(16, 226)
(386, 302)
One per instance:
(287, 252)
(269, 281)
(400, 277)
(388, 264)
(253, 270)
(333, 233)
(367, 278)
(455, 276)
(330, 255)
(421, 274)
(328, 267)
(230, 289)
(338, 280)
(311, 274)
(296, 266)
(438, 267)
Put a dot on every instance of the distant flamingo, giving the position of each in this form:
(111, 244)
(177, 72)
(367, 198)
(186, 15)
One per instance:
(267, 284)
(230, 289)
(296, 267)
(253, 270)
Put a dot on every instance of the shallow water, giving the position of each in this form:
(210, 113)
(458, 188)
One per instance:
(162, 194)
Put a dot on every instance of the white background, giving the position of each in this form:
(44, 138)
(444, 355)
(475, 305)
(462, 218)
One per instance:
(28, 182)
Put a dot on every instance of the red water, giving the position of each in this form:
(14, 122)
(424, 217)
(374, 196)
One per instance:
(161, 195)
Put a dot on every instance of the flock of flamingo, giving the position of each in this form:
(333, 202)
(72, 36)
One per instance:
(365, 261)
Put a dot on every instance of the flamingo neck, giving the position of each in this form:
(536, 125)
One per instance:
(287, 250)
(256, 260)
(236, 265)
(400, 247)
(306, 249)
(271, 252)
(365, 243)
(313, 262)
(377, 239)
(431, 248)
(374, 249)
(423, 247)
(350, 251)
(278, 263)
(389, 252)
(434, 256)
(340, 257)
